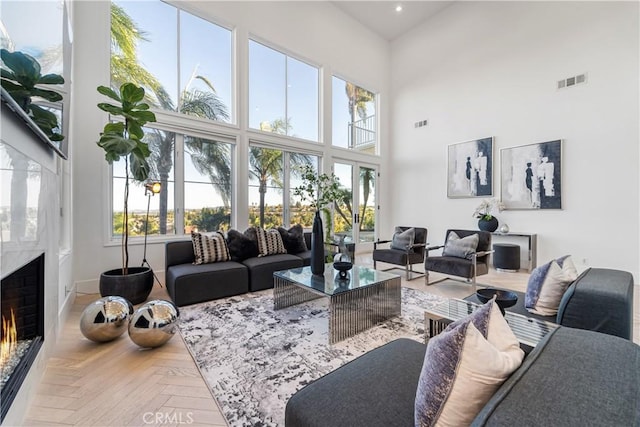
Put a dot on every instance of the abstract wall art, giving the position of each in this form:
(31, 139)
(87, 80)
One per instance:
(470, 168)
(531, 176)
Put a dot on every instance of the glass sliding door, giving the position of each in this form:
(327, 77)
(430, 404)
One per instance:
(355, 212)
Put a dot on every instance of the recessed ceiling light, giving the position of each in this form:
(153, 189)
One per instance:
(399, 8)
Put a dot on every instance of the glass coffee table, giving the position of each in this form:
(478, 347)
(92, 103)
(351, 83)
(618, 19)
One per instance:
(363, 299)
(528, 330)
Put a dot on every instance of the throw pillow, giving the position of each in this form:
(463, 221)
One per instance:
(269, 242)
(462, 370)
(460, 247)
(568, 267)
(293, 239)
(209, 248)
(240, 246)
(546, 286)
(403, 240)
(490, 322)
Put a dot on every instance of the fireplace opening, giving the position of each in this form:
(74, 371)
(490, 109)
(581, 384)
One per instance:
(22, 306)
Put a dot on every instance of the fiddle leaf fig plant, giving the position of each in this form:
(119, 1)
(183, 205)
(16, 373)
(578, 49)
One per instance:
(124, 140)
(21, 78)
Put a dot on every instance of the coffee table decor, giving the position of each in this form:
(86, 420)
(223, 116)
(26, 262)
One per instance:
(504, 299)
(357, 302)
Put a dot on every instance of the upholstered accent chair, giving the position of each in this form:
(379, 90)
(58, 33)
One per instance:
(467, 263)
(405, 249)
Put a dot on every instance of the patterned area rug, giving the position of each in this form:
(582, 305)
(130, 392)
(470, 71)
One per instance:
(254, 358)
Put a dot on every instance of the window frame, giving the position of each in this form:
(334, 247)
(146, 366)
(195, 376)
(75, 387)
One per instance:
(288, 54)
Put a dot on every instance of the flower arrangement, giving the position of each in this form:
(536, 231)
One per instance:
(483, 211)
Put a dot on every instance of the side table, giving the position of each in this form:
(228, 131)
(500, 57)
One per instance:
(528, 330)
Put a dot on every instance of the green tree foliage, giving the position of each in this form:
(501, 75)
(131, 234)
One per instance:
(211, 219)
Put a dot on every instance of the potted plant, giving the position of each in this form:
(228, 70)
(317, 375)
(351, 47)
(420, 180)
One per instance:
(321, 191)
(486, 221)
(125, 140)
(22, 79)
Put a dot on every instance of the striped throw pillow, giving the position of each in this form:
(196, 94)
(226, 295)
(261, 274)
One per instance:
(209, 248)
(269, 242)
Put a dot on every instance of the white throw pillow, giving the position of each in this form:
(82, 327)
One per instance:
(462, 369)
(547, 284)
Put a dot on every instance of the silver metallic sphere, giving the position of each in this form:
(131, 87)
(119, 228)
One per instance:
(154, 323)
(105, 319)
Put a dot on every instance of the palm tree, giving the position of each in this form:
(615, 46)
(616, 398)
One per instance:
(368, 180)
(358, 99)
(268, 164)
(125, 67)
(210, 159)
(265, 165)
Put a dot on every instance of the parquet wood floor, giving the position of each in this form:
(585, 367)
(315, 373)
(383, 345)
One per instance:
(118, 384)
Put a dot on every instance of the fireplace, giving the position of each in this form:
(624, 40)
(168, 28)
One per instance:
(22, 304)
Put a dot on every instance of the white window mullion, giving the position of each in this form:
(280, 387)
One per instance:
(178, 76)
(286, 95)
(179, 183)
(286, 187)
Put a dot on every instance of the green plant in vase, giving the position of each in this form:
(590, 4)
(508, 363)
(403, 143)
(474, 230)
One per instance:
(124, 140)
(321, 191)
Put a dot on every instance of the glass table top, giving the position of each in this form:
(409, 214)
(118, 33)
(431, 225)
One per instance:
(527, 329)
(331, 283)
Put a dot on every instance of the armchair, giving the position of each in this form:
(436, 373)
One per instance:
(475, 263)
(403, 252)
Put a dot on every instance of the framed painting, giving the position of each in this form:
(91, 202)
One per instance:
(531, 176)
(470, 168)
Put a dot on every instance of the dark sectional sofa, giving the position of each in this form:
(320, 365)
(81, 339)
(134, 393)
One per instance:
(188, 283)
(573, 377)
(586, 372)
(599, 300)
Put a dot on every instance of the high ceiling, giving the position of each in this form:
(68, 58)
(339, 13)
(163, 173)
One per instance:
(381, 16)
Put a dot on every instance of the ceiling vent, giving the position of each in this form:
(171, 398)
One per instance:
(572, 81)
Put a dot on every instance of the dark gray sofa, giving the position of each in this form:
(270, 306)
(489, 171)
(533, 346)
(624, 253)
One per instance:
(573, 377)
(599, 300)
(188, 283)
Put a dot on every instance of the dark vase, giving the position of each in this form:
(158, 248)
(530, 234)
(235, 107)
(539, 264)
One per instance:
(317, 246)
(488, 224)
(135, 287)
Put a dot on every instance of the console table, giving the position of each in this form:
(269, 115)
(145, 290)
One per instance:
(532, 240)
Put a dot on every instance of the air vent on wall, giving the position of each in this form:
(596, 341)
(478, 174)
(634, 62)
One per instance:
(572, 81)
(420, 123)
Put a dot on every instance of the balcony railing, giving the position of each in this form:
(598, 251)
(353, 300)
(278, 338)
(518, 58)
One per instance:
(362, 133)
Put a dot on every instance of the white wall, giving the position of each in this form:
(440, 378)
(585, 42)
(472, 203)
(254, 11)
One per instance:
(316, 31)
(482, 69)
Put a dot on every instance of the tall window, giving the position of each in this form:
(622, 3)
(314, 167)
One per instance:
(204, 193)
(354, 117)
(184, 63)
(192, 76)
(283, 93)
(273, 174)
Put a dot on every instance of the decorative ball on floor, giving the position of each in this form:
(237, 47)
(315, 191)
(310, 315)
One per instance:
(154, 323)
(105, 319)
